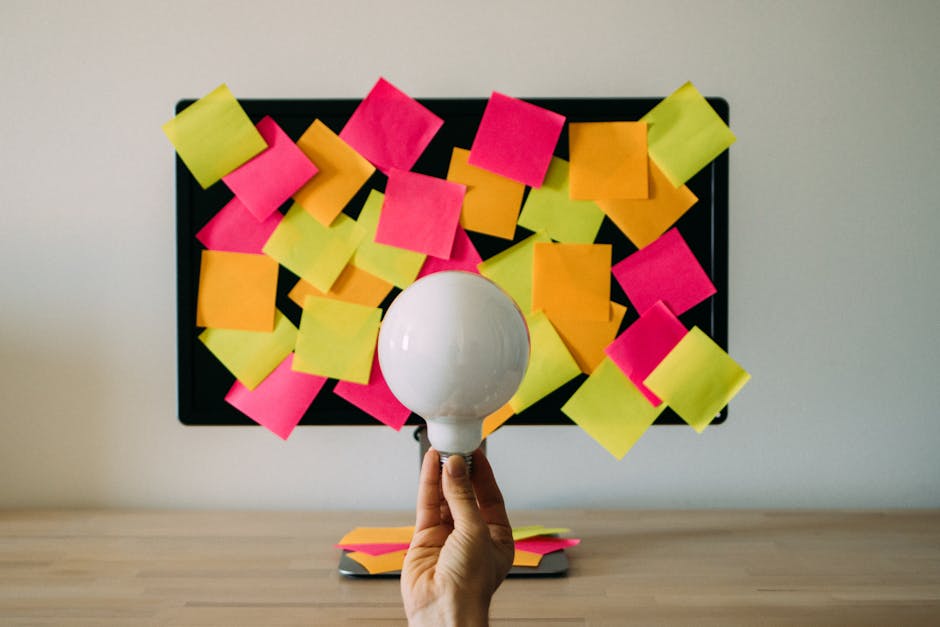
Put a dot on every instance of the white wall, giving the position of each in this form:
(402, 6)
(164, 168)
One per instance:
(834, 262)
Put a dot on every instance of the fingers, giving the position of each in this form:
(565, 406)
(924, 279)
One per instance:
(429, 493)
(489, 498)
(458, 491)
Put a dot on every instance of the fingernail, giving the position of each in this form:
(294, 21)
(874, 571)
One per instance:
(456, 467)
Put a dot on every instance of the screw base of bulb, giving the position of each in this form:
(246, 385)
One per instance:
(467, 458)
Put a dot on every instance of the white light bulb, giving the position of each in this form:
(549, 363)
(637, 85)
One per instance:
(453, 349)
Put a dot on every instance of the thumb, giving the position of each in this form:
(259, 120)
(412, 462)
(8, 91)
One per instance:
(458, 492)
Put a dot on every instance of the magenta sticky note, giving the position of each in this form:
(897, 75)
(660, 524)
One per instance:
(375, 398)
(265, 182)
(544, 544)
(639, 349)
(389, 128)
(666, 270)
(280, 401)
(234, 229)
(376, 548)
(420, 213)
(516, 139)
(463, 256)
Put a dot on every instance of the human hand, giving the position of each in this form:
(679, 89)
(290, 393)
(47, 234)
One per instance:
(462, 547)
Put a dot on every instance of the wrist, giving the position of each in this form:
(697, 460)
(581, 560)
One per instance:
(451, 614)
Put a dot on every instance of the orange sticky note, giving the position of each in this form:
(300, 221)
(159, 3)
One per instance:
(378, 535)
(491, 204)
(643, 221)
(353, 285)
(378, 564)
(343, 171)
(608, 160)
(495, 420)
(587, 339)
(236, 291)
(526, 558)
(571, 281)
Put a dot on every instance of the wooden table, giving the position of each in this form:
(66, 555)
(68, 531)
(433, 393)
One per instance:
(128, 568)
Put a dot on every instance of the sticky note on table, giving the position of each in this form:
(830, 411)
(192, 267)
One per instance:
(532, 531)
(463, 256)
(551, 209)
(342, 173)
(685, 134)
(571, 280)
(666, 270)
(353, 285)
(337, 339)
(379, 564)
(236, 291)
(375, 549)
(213, 136)
(491, 204)
(608, 160)
(389, 128)
(252, 355)
(697, 379)
(550, 364)
(233, 228)
(378, 535)
(390, 263)
(611, 409)
(516, 139)
(527, 559)
(280, 401)
(545, 545)
(375, 398)
(511, 269)
(420, 213)
(587, 339)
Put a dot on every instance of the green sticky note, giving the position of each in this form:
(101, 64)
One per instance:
(314, 252)
(611, 409)
(252, 355)
(532, 531)
(550, 208)
(337, 339)
(550, 364)
(214, 135)
(512, 269)
(685, 134)
(697, 378)
(395, 265)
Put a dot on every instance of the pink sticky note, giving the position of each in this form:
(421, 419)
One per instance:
(638, 350)
(234, 229)
(666, 270)
(389, 128)
(268, 180)
(543, 545)
(375, 398)
(376, 548)
(280, 401)
(516, 139)
(463, 256)
(420, 213)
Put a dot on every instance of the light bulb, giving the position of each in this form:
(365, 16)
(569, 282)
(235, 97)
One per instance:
(453, 348)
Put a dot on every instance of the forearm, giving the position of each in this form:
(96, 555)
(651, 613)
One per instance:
(451, 613)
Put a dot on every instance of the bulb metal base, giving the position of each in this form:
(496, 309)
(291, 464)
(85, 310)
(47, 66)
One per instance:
(467, 458)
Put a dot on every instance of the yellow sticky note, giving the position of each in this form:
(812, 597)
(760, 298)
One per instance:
(685, 134)
(532, 531)
(491, 203)
(526, 558)
(495, 420)
(587, 339)
(390, 263)
(571, 281)
(696, 379)
(252, 355)
(236, 291)
(353, 285)
(214, 135)
(378, 535)
(608, 160)
(511, 269)
(611, 409)
(379, 564)
(337, 339)
(342, 172)
(314, 252)
(550, 208)
(550, 364)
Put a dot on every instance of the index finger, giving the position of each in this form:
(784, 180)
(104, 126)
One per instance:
(428, 512)
(489, 498)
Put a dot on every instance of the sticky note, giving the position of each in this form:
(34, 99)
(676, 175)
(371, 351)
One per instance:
(342, 173)
(379, 564)
(378, 535)
(389, 128)
(550, 364)
(546, 545)
(353, 285)
(395, 265)
(463, 256)
(532, 531)
(685, 134)
(587, 339)
(266, 181)
(337, 339)
(643, 221)
(314, 252)
(608, 160)
(491, 204)
(280, 401)
(516, 139)
(640, 348)
(511, 269)
(236, 291)
(420, 213)
(666, 270)
(213, 136)
(375, 549)
(235, 229)
(697, 378)
(252, 355)
(375, 398)
(550, 208)
(495, 420)
(611, 410)
(571, 280)
(526, 558)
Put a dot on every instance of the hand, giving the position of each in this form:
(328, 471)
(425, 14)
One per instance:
(462, 546)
